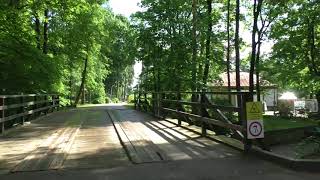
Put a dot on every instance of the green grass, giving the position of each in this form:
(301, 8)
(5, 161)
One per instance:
(278, 123)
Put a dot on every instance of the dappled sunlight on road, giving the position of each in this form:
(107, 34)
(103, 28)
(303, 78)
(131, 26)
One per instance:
(148, 138)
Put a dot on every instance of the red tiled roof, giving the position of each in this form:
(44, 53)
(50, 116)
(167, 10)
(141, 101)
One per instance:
(244, 80)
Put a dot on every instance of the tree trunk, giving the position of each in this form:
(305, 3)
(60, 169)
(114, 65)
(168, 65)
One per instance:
(70, 83)
(83, 96)
(318, 99)
(208, 44)
(194, 54)
(83, 79)
(311, 41)
(237, 49)
(37, 30)
(124, 88)
(256, 12)
(194, 46)
(228, 51)
(253, 51)
(258, 68)
(202, 62)
(158, 69)
(45, 31)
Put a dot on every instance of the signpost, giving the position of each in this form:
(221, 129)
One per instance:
(255, 129)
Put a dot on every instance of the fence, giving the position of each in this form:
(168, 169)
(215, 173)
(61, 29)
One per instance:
(16, 109)
(163, 103)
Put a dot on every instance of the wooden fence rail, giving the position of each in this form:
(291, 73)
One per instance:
(16, 109)
(160, 103)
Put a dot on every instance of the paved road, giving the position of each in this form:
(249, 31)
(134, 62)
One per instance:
(213, 169)
(83, 144)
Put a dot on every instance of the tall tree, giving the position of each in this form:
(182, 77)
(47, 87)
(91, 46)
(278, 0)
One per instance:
(208, 45)
(237, 48)
(292, 64)
(45, 31)
(83, 80)
(256, 12)
(37, 30)
(228, 50)
(194, 50)
(65, 65)
(265, 22)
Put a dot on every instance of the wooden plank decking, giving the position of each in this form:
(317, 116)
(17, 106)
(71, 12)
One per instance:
(101, 137)
(147, 139)
(72, 139)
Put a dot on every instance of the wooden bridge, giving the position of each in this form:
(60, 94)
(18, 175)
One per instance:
(108, 137)
(98, 136)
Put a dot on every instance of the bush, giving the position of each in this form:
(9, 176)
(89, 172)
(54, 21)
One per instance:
(285, 108)
(108, 100)
(115, 100)
(63, 101)
(130, 98)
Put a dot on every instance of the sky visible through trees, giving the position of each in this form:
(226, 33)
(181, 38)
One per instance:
(127, 8)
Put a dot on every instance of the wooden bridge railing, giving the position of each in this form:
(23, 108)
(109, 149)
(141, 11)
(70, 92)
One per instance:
(16, 109)
(160, 103)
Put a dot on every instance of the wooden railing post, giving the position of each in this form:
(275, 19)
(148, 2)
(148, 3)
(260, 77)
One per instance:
(46, 104)
(158, 104)
(2, 115)
(138, 101)
(135, 100)
(35, 106)
(178, 108)
(243, 117)
(161, 97)
(58, 102)
(52, 103)
(22, 110)
(203, 124)
(154, 108)
(145, 102)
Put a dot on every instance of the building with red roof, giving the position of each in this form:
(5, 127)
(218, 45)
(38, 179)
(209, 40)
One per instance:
(269, 91)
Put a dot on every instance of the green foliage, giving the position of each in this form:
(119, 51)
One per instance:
(115, 100)
(108, 100)
(77, 30)
(291, 64)
(25, 69)
(165, 44)
(130, 98)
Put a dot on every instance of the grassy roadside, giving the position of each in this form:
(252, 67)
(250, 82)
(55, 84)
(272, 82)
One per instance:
(272, 123)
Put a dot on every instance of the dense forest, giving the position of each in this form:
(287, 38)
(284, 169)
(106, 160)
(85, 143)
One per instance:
(76, 48)
(80, 48)
(185, 45)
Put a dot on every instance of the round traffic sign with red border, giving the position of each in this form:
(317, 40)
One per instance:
(255, 129)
